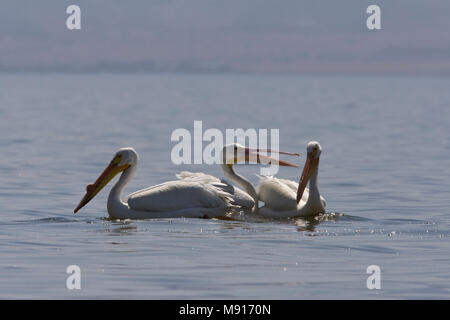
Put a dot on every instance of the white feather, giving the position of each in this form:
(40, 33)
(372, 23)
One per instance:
(239, 197)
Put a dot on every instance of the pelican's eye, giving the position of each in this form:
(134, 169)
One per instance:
(235, 152)
(117, 159)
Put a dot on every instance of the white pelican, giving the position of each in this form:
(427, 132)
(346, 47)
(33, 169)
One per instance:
(285, 198)
(231, 154)
(167, 200)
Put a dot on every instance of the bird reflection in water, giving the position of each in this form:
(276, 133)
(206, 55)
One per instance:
(310, 223)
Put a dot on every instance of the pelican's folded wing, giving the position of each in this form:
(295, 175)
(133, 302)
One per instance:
(240, 198)
(197, 177)
(276, 193)
(176, 195)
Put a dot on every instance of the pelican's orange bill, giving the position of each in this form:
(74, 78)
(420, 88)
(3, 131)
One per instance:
(92, 189)
(274, 151)
(311, 164)
(254, 155)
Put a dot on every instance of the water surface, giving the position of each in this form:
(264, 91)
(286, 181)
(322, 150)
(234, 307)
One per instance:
(384, 169)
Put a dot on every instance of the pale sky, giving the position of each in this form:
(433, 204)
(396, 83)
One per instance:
(321, 36)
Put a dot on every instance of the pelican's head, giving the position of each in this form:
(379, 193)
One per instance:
(122, 160)
(127, 156)
(313, 151)
(237, 153)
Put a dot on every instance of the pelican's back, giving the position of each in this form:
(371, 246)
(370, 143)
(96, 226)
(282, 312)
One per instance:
(276, 194)
(240, 197)
(177, 195)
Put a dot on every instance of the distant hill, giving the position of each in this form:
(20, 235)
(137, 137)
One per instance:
(289, 36)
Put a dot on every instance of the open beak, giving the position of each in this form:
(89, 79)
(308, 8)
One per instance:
(256, 156)
(309, 168)
(91, 190)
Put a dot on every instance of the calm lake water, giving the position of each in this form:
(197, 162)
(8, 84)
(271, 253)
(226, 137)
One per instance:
(384, 170)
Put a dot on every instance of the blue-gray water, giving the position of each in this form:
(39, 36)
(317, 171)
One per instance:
(384, 166)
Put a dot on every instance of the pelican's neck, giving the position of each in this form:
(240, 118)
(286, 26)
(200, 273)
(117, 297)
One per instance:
(117, 208)
(313, 187)
(314, 200)
(241, 181)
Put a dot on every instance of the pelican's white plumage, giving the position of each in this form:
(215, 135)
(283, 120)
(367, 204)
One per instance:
(172, 196)
(286, 198)
(279, 194)
(239, 197)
